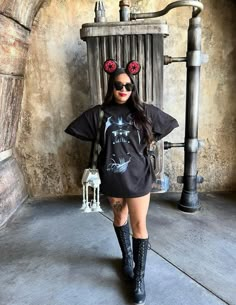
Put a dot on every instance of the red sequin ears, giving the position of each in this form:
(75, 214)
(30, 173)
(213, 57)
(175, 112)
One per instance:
(110, 66)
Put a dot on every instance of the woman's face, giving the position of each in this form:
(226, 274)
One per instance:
(121, 93)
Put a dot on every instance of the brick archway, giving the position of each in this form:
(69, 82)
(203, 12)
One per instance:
(16, 19)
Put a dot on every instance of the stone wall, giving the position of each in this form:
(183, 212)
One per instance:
(16, 18)
(56, 90)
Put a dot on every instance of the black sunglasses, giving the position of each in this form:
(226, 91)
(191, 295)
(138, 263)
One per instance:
(119, 86)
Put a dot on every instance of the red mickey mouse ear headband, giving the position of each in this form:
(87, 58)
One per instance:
(133, 67)
(110, 66)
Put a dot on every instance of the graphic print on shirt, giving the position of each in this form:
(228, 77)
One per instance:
(119, 129)
(116, 167)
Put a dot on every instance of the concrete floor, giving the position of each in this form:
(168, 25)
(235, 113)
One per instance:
(52, 254)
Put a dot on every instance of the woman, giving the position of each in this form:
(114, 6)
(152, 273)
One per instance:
(129, 126)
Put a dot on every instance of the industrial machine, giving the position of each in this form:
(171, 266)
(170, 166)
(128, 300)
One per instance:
(136, 38)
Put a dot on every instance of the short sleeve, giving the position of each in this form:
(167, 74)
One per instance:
(162, 123)
(85, 126)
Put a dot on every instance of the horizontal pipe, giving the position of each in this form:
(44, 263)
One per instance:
(168, 59)
(168, 145)
(198, 7)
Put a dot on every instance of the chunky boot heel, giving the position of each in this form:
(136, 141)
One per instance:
(123, 236)
(140, 247)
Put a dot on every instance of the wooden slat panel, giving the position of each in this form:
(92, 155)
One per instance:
(119, 54)
(97, 67)
(148, 67)
(133, 47)
(112, 49)
(11, 92)
(13, 47)
(141, 60)
(126, 50)
(22, 11)
(103, 46)
(157, 72)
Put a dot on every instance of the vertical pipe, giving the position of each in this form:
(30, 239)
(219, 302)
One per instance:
(189, 201)
(124, 10)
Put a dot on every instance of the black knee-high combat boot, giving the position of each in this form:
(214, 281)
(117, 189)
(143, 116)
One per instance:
(123, 237)
(140, 247)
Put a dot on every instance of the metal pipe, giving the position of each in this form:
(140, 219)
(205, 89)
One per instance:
(168, 145)
(189, 199)
(198, 7)
(168, 59)
(124, 10)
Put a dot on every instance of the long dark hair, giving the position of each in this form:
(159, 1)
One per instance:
(138, 107)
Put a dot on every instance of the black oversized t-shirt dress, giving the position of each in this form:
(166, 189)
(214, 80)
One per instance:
(123, 164)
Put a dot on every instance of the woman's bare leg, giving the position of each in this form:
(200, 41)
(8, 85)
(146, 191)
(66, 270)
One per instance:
(138, 208)
(120, 210)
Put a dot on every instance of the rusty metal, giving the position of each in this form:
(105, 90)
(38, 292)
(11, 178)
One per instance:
(144, 41)
(124, 10)
(125, 41)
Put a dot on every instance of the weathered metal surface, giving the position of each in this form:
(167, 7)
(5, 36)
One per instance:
(189, 200)
(12, 188)
(11, 92)
(13, 47)
(22, 11)
(146, 48)
(124, 28)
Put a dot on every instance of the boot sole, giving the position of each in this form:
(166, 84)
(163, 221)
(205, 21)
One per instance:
(140, 303)
(143, 303)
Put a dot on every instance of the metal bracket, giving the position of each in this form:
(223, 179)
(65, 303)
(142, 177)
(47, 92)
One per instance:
(193, 145)
(180, 179)
(196, 58)
(168, 59)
